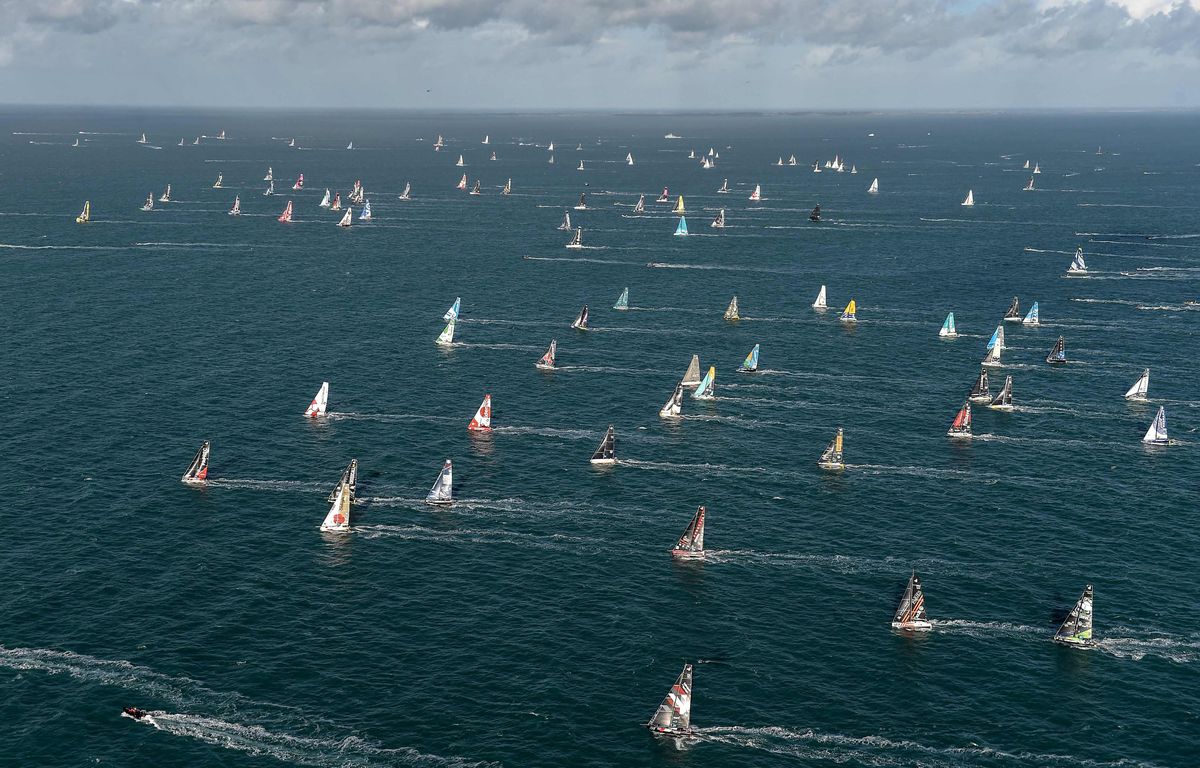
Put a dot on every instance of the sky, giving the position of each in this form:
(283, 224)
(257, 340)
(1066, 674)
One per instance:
(603, 54)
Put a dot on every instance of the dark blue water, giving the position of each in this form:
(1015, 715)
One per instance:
(539, 621)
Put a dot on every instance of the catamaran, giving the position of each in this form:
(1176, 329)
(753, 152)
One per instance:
(622, 301)
(460, 162)
(910, 614)
(582, 205)
(961, 428)
(756, 195)
(850, 313)
(475, 189)
(365, 213)
(270, 174)
(286, 216)
(220, 180)
(299, 185)
(665, 197)
(674, 405)
(581, 322)
(551, 147)
(446, 338)
(181, 142)
(482, 421)
(816, 167)
(724, 190)
(628, 158)
(454, 309)
(1078, 265)
(349, 478)
(874, 188)
(236, 210)
(853, 169)
(319, 403)
(981, 392)
(816, 213)
(641, 205)
(1058, 355)
(336, 205)
(681, 227)
(779, 161)
(462, 183)
(674, 715)
(325, 200)
(507, 190)
(832, 457)
(1032, 317)
(819, 303)
(566, 222)
(407, 193)
(142, 140)
(679, 208)
(1140, 387)
(719, 221)
(1013, 315)
(750, 364)
(691, 544)
(1076, 629)
(1157, 433)
(270, 190)
(546, 361)
(337, 520)
(196, 142)
(149, 204)
(165, 197)
(705, 390)
(691, 377)
(948, 330)
(731, 312)
(442, 491)
(606, 453)
(970, 198)
(346, 218)
(1029, 185)
(197, 471)
(576, 239)
(357, 194)
(1003, 399)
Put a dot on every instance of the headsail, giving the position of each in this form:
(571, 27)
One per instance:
(832, 457)
(1058, 354)
(1157, 433)
(641, 205)
(1140, 387)
(679, 207)
(819, 303)
(337, 520)
(482, 422)
(948, 330)
(910, 614)
(197, 471)
(1077, 263)
(1003, 399)
(707, 385)
(674, 715)
(546, 362)
(447, 336)
(606, 453)
(622, 300)
(443, 488)
(731, 312)
(961, 427)
(692, 376)
(581, 322)
(319, 403)
(691, 544)
(1077, 628)
(1032, 317)
(970, 198)
(981, 392)
(750, 364)
(452, 313)
(349, 478)
(674, 405)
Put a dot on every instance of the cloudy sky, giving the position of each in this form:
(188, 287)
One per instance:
(603, 54)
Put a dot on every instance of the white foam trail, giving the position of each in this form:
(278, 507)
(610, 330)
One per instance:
(488, 536)
(268, 485)
(573, 434)
(389, 417)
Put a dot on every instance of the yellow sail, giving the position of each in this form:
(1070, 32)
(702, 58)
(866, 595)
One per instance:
(850, 315)
(679, 206)
(839, 442)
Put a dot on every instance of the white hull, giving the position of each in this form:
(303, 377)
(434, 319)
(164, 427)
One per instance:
(831, 465)
(574, 247)
(959, 435)
(543, 367)
(1005, 408)
(604, 462)
(981, 399)
(686, 554)
(912, 626)
(440, 502)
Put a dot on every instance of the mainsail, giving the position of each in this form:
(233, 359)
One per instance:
(319, 403)
(582, 206)
(475, 189)
(337, 202)
(507, 190)
(407, 193)
(731, 312)
(691, 544)
(1140, 387)
(724, 190)
(1032, 317)
(997, 339)
(910, 614)
(850, 313)
(692, 376)
(1013, 315)
(349, 478)
(325, 200)
(270, 190)
(948, 331)
(622, 300)
(756, 195)
(750, 364)
(679, 208)
(874, 188)
(149, 204)
(197, 471)
(452, 313)
(641, 205)
(665, 197)
(1058, 354)
(447, 336)
(681, 228)
(462, 183)
(719, 221)
(832, 457)
(366, 212)
(819, 303)
(347, 217)
(1157, 433)
(337, 519)
(482, 422)
(970, 198)
(236, 210)
(707, 385)
(606, 453)
(992, 358)
(220, 180)
(628, 158)
(961, 427)
(674, 715)
(816, 213)
(299, 185)
(165, 197)
(1077, 263)
(286, 216)
(443, 488)
(576, 239)
(546, 362)
(674, 405)
(566, 222)
(581, 322)
(981, 392)
(1003, 399)
(1076, 629)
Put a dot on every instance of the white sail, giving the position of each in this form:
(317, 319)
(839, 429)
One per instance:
(166, 195)
(337, 520)
(443, 488)
(691, 377)
(1037, 168)
(970, 198)
(197, 471)
(350, 145)
(319, 403)
(606, 453)
(674, 716)
(447, 336)
(732, 312)
(482, 422)
(346, 218)
(1157, 433)
(819, 303)
(1078, 264)
(460, 162)
(756, 195)
(407, 193)
(948, 331)
(1003, 399)
(1140, 387)
(325, 200)
(236, 210)
(452, 313)
(674, 405)
(219, 182)
(874, 188)
(270, 176)
(566, 222)
(576, 239)
(546, 362)
(149, 204)
(628, 158)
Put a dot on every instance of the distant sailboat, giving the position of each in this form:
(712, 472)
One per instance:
(582, 205)
(756, 195)
(149, 204)
(197, 471)
(236, 210)
(551, 160)
(750, 364)
(997, 339)
(628, 158)
(546, 361)
(291, 143)
(337, 520)
(850, 313)
(1157, 433)
(816, 167)
(992, 358)
(1076, 629)
(622, 300)
(319, 403)
(270, 190)
(981, 392)
(446, 337)
(948, 330)
(346, 218)
(1032, 317)
(475, 189)
(679, 208)
(731, 312)
(674, 405)
(580, 168)
(641, 205)
(1013, 315)
(819, 303)
(832, 457)
(1029, 185)
(482, 421)
(691, 544)
(325, 200)
(486, 139)
(1078, 265)
(181, 142)
(460, 162)
(970, 199)
(1026, 166)
(299, 185)
(452, 313)
(1140, 387)
(705, 390)
(576, 239)
(681, 228)
(724, 190)
(816, 213)
(336, 205)
(270, 175)
(76, 144)
(961, 428)
(606, 453)
(365, 214)
(165, 197)
(1003, 399)
(220, 180)
(792, 160)
(665, 197)
(196, 142)
(1037, 168)
(507, 190)
(719, 221)
(442, 491)
(779, 161)
(853, 169)
(581, 322)
(142, 140)
(566, 222)
(286, 216)
(910, 614)
(407, 193)
(874, 188)
(350, 145)
(551, 147)
(691, 377)
(674, 715)
(493, 157)
(1058, 355)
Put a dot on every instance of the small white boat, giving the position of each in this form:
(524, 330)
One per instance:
(299, 185)
(365, 213)
(197, 471)
(706, 389)
(582, 206)
(606, 453)
(142, 140)
(819, 302)
(1037, 168)
(970, 198)
(691, 544)
(1157, 433)
(149, 204)
(460, 162)
(236, 210)
(850, 313)
(1140, 387)
(1032, 317)
(350, 145)
(580, 168)
(270, 175)
(576, 239)
(270, 190)
(756, 195)
(1013, 315)
(165, 197)
(482, 421)
(724, 190)
(407, 193)
(219, 182)
(319, 403)
(874, 188)
(628, 158)
(948, 331)
(325, 200)
(719, 221)
(981, 391)
(1029, 185)
(446, 338)
(442, 492)
(286, 216)
(347, 217)
(507, 189)
(462, 183)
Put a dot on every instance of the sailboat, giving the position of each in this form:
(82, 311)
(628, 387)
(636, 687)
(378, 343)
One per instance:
(832, 457)
(551, 147)
(981, 392)
(507, 190)
(731, 312)
(446, 338)
(705, 390)
(486, 139)
(1032, 317)
(665, 197)
(1037, 168)
(299, 185)
(628, 158)
(407, 193)
(149, 204)
(1140, 387)
(606, 453)
(691, 154)
(681, 228)
(270, 190)
(236, 210)
(580, 168)
(142, 140)
(460, 162)
(1026, 166)
(641, 205)
(970, 198)
(462, 183)
(337, 520)
(792, 160)
(76, 144)
(475, 189)
(350, 145)
(1013, 315)
(719, 221)
(442, 491)
(358, 193)
(566, 222)
(196, 142)
(674, 405)
(816, 213)
(622, 300)
(181, 142)
(291, 143)
(910, 614)
(439, 143)
(874, 188)
(724, 190)
(286, 216)
(319, 403)
(997, 339)
(582, 205)
(750, 364)
(349, 478)
(1029, 185)
(779, 161)
(850, 313)
(691, 544)
(551, 160)
(576, 239)
(756, 195)
(961, 428)
(691, 377)
(1076, 629)
(365, 213)
(819, 303)
(1078, 265)
(674, 715)
(816, 167)
(992, 358)
(1003, 399)
(270, 174)
(197, 471)
(546, 361)
(581, 322)
(1157, 433)
(220, 180)
(948, 331)
(853, 169)
(452, 313)
(482, 421)
(165, 197)
(325, 200)
(336, 205)
(346, 218)
(679, 206)
(1058, 355)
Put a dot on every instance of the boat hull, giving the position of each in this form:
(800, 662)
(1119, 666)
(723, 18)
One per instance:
(193, 481)
(543, 367)
(687, 554)
(439, 502)
(658, 730)
(833, 465)
(742, 369)
(959, 435)
(990, 364)
(604, 462)
(981, 399)
(1005, 408)
(1071, 642)
(574, 247)
(912, 626)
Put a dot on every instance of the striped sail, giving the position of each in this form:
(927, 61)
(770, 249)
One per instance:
(691, 544)
(1157, 433)
(910, 613)
(319, 403)
(674, 715)
(1032, 317)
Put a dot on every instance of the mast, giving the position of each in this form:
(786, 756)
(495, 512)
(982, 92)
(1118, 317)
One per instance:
(1140, 387)
(197, 471)
(674, 715)
(910, 613)
(731, 312)
(606, 453)
(961, 427)
(319, 403)
(546, 362)
(832, 457)
(1076, 629)
(581, 322)
(691, 543)
(443, 487)
(482, 421)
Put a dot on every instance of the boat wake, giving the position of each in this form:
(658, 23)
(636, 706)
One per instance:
(1178, 650)
(704, 468)
(582, 261)
(477, 345)
(570, 434)
(557, 541)
(388, 417)
(991, 629)
(267, 485)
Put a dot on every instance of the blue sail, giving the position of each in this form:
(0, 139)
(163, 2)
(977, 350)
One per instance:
(751, 362)
(366, 212)
(704, 390)
(1032, 318)
(623, 301)
(682, 228)
(997, 337)
(948, 326)
(453, 311)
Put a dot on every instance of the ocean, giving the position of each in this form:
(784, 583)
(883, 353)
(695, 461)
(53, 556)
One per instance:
(539, 621)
